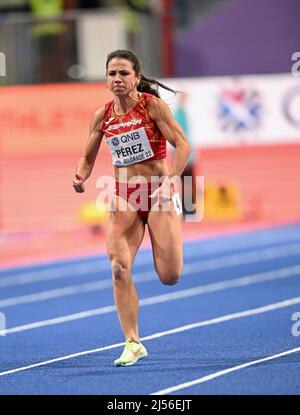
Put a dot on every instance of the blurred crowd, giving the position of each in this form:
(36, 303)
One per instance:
(183, 11)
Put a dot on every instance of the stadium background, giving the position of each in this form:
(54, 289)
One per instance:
(232, 58)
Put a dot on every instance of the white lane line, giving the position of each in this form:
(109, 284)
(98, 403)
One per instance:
(102, 264)
(56, 293)
(67, 271)
(54, 273)
(199, 266)
(246, 313)
(223, 372)
(177, 295)
(58, 359)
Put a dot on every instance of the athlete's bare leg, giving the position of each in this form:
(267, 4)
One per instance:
(125, 234)
(166, 238)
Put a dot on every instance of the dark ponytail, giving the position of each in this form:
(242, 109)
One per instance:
(147, 85)
(151, 86)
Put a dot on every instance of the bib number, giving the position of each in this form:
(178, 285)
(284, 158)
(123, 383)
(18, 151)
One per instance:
(130, 147)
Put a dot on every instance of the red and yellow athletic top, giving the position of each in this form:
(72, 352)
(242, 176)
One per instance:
(133, 137)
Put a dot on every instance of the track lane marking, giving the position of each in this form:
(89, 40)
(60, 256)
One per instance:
(176, 295)
(216, 320)
(220, 373)
(204, 265)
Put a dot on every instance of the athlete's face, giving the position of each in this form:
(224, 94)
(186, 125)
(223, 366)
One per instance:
(121, 77)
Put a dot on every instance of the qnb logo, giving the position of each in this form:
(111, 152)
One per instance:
(296, 66)
(2, 64)
(296, 325)
(2, 324)
(115, 141)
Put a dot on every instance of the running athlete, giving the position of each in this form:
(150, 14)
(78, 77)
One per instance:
(136, 125)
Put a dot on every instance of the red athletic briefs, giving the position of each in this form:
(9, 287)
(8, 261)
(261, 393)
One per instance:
(141, 202)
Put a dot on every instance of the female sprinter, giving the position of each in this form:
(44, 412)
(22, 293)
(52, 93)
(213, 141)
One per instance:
(136, 125)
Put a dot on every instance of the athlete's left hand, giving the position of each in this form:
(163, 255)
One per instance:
(165, 192)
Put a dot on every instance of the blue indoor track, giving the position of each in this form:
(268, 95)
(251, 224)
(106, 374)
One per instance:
(226, 328)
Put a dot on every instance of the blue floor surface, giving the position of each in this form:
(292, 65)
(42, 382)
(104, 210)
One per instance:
(222, 276)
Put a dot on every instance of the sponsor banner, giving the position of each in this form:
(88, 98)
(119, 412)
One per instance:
(233, 111)
(48, 119)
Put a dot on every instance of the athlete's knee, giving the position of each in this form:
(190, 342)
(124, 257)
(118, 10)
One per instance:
(169, 277)
(120, 269)
(169, 274)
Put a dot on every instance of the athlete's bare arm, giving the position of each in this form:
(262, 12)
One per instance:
(161, 114)
(86, 162)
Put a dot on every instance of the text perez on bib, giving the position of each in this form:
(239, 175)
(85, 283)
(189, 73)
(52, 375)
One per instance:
(130, 147)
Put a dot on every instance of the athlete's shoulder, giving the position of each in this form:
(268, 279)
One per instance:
(148, 97)
(157, 107)
(151, 100)
(99, 114)
(97, 118)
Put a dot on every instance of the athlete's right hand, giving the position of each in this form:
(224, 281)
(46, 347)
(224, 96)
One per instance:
(78, 184)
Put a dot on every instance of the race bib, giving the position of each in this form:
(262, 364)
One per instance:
(129, 148)
(177, 203)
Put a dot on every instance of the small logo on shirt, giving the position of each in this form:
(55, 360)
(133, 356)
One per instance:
(109, 120)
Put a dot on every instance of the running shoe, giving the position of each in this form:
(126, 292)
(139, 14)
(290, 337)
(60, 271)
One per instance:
(131, 354)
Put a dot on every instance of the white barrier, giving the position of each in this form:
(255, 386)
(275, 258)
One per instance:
(2, 64)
